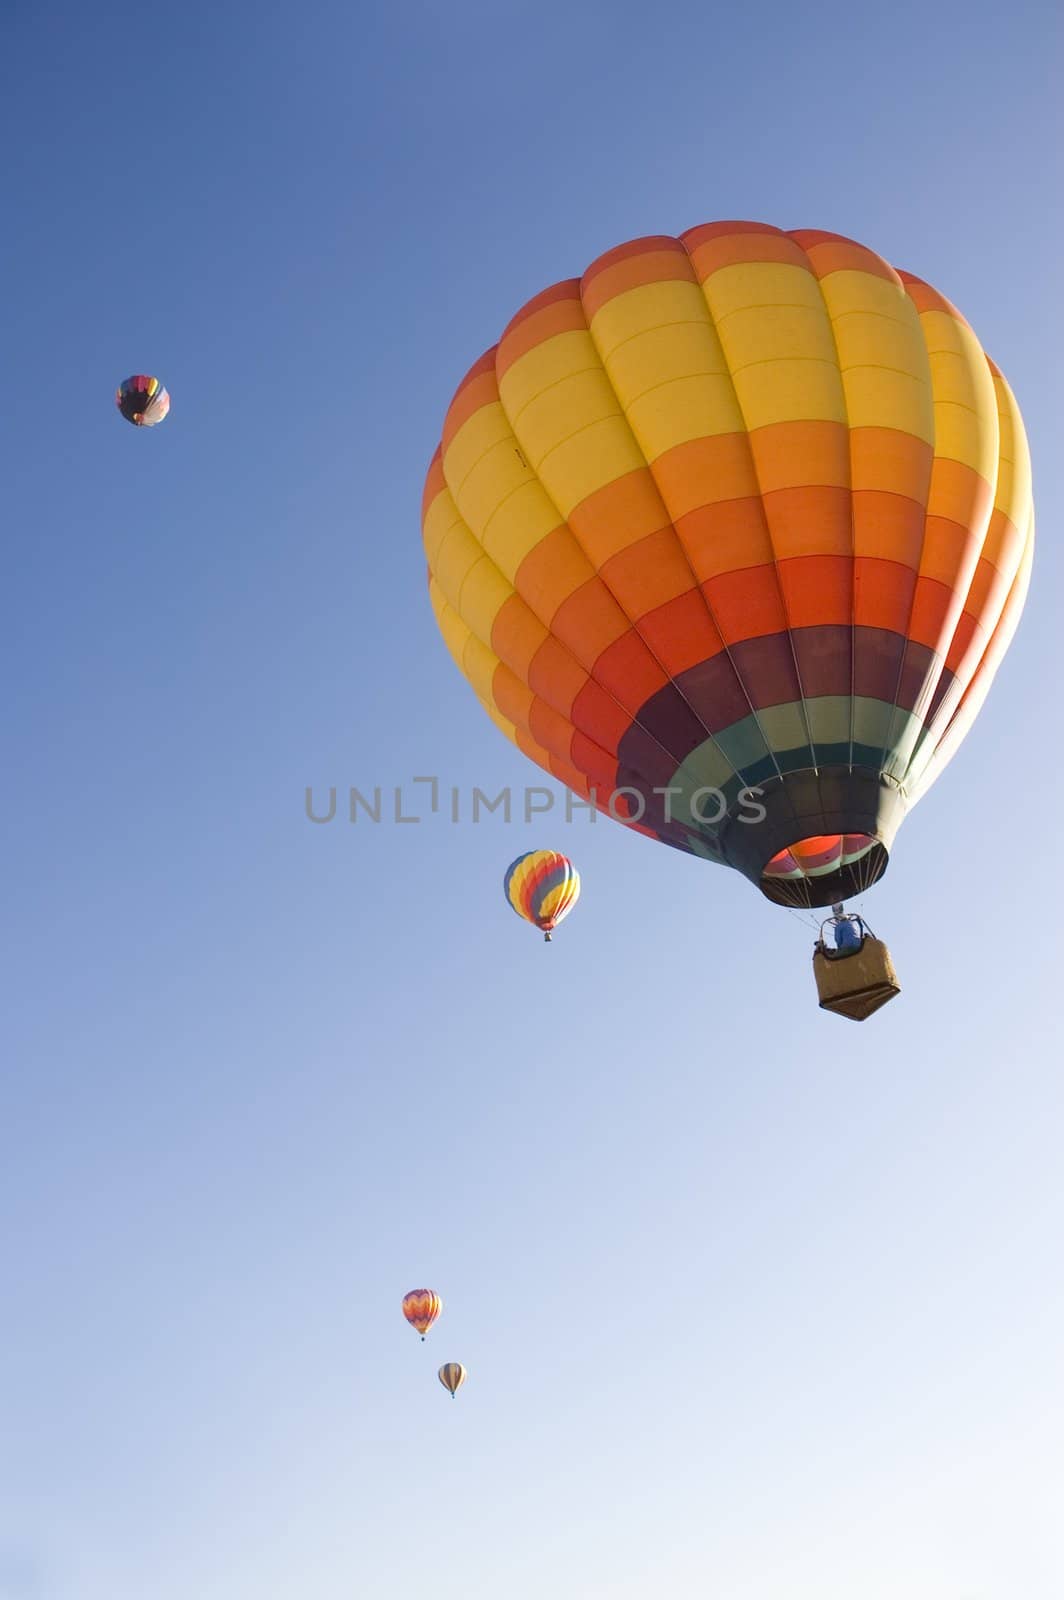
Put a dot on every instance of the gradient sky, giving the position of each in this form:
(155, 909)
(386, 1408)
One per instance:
(756, 1305)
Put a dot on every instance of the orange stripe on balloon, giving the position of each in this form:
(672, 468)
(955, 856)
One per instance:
(554, 732)
(649, 261)
(598, 766)
(892, 461)
(950, 553)
(833, 252)
(618, 514)
(706, 232)
(966, 647)
(933, 604)
(961, 716)
(958, 492)
(476, 393)
(558, 293)
(704, 472)
(648, 573)
(554, 674)
(646, 244)
(604, 718)
(988, 592)
(729, 244)
(789, 455)
(552, 571)
(817, 590)
(558, 316)
(516, 634)
(512, 697)
(809, 521)
(628, 670)
(435, 482)
(681, 632)
(746, 603)
(883, 594)
(730, 536)
(589, 622)
(924, 298)
(1004, 543)
(888, 527)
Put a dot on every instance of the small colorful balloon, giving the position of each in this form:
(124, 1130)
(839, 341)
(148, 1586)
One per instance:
(452, 1375)
(542, 886)
(142, 400)
(421, 1307)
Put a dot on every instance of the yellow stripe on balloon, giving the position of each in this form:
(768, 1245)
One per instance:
(665, 361)
(883, 361)
(966, 424)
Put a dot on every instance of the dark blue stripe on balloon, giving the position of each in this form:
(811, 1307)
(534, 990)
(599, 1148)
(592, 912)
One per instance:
(511, 869)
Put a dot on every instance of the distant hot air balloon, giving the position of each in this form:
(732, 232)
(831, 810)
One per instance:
(542, 886)
(421, 1307)
(142, 400)
(452, 1375)
(730, 536)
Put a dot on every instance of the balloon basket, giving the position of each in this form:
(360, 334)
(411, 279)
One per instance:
(855, 985)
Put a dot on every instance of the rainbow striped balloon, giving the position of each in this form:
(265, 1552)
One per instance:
(542, 886)
(743, 510)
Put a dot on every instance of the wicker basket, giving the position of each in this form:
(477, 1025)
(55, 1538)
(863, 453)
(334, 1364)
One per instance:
(858, 984)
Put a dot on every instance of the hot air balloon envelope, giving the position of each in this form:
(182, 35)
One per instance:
(730, 535)
(142, 400)
(421, 1307)
(542, 886)
(452, 1375)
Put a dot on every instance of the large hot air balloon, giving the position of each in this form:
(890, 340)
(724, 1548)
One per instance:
(730, 535)
(142, 400)
(452, 1375)
(542, 886)
(421, 1307)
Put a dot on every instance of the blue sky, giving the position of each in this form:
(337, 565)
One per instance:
(753, 1303)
